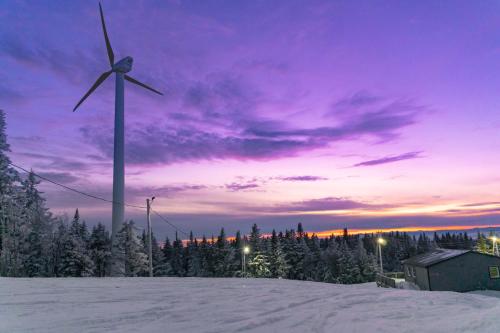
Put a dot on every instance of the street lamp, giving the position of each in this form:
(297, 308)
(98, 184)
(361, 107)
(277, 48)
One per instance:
(150, 235)
(380, 242)
(494, 239)
(246, 250)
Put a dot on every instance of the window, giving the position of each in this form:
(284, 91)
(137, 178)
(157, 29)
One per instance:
(413, 272)
(408, 271)
(494, 272)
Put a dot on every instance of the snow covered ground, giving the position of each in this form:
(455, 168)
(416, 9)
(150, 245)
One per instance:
(234, 305)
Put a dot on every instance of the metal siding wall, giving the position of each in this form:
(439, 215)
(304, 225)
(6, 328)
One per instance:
(464, 273)
(422, 279)
(408, 278)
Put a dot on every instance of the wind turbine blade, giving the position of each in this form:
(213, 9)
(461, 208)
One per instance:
(131, 79)
(96, 84)
(111, 55)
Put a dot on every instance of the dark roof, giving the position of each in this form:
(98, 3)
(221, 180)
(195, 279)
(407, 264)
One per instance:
(433, 257)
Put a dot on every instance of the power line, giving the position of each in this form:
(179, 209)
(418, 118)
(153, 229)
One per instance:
(97, 197)
(168, 222)
(73, 189)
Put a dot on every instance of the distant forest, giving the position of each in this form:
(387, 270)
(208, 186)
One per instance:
(35, 243)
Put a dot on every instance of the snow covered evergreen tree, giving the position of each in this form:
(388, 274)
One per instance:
(278, 265)
(223, 257)
(193, 257)
(100, 249)
(38, 230)
(259, 266)
(165, 268)
(59, 239)
(206, 258)
(348, 269)
(482, 244)
(76, 260)
(12, 226)
(178, 261)
(131, 255)
(367, 263)
(157, 257)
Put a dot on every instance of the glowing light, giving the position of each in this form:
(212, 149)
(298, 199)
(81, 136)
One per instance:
(246, 250)
(381, 241)
(494, 239)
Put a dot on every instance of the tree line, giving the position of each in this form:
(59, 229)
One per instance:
(35, 243)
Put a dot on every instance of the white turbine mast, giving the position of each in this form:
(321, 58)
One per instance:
(120, 69)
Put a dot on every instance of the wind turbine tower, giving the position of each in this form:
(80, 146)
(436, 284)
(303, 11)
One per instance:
(120, 68)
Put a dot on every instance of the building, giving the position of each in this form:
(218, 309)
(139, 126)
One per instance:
(454, 270)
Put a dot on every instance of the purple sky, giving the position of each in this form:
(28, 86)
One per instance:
(362, 114)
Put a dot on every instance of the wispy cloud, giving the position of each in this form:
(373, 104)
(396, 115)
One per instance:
(301, 178)
(60, 177)
(390, 159)
(223, 125)
(165, 191)
(323, 204)
(236, 187)
(479, 204)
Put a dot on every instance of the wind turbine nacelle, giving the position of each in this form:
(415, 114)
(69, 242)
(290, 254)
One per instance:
(124, 65)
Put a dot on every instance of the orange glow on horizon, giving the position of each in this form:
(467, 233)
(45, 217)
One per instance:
(338, 232)
(360, 231)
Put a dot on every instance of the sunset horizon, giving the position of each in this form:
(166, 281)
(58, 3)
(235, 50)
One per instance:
(272, 114)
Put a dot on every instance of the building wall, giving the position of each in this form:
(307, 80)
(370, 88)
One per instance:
(464, 273)
(420, 278)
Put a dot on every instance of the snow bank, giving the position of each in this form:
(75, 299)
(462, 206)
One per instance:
(234, 305)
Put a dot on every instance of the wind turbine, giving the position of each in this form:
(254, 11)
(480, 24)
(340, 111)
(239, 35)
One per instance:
(120, 69)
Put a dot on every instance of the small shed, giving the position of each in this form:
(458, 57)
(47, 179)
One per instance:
(453, 270)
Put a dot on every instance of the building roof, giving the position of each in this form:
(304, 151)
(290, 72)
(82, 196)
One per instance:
(433, 257)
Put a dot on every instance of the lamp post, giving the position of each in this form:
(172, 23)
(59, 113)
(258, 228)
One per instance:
(494, 239)
(246, 250)
(150, 236)
(380, 242)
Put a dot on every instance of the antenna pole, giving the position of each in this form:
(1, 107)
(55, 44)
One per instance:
(150, 238)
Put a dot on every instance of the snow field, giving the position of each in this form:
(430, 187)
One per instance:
(186, 305)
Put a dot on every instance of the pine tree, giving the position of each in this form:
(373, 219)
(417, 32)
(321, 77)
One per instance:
(223, 256)
(131, 256)
(178, 258)
(254, 239)
(482, 244)
(278, 265)
(12, 226)
(165, 267)
(330, 259)
(237, 246)
(259, 266)
(312, 260)
(37, 238)
(100, 249)
(206, 258)
(367, 263)
(59, 240)
(348, 269)
(157, 257)
(294, 255)
(76, 259)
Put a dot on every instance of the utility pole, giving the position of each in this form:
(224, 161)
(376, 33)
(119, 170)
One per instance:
(150, 237)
